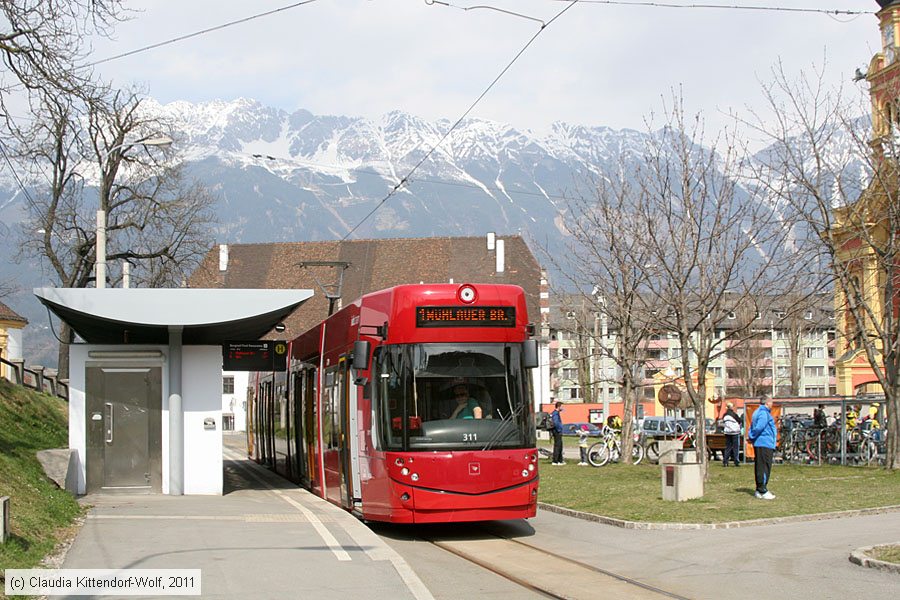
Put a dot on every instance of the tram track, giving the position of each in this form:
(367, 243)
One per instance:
(546, 573)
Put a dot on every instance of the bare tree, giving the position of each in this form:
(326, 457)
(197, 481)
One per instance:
(839, 178)
(606, 259)
(714, 246)
(41, 43)
(154, 220)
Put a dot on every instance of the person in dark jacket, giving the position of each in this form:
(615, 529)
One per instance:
(556, 417)
(731, 427)
(762, 435)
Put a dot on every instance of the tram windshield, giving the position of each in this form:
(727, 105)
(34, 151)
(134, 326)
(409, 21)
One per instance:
(452, 397)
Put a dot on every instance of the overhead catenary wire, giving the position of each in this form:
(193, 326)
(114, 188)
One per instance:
(199, 33)
(462, 117)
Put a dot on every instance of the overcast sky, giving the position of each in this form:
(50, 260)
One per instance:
(598, 64)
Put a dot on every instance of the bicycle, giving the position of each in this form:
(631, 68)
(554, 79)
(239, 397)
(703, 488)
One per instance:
(610, 449)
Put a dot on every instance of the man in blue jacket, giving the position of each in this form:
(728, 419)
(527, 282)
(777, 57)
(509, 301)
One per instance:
(762, 436)
(557, 435)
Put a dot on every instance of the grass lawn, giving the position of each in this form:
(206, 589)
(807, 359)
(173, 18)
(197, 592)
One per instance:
(634, 493)
(887, 554)
(39, 510)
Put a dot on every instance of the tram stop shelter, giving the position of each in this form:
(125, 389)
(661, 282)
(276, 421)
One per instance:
(145, 387)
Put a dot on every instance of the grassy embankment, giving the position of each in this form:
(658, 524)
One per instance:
(40, 512)
(889, 554)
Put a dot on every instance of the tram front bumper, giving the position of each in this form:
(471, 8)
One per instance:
(437, 506)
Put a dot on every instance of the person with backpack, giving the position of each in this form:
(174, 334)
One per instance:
(557, 430)
(731, 427)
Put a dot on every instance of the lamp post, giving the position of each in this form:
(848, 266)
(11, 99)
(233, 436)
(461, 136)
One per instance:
(100, 259)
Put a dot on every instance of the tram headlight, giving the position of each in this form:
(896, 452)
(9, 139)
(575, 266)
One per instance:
(525, 472)
(414, 477)
(404, 471)
(533, 458)
(399, 462)
(531, 467)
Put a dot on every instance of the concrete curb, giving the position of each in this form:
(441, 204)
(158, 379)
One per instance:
(861, 557)
(726, 525)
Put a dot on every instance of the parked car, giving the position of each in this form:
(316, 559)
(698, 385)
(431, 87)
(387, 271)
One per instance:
(652, 427)
(574, 428)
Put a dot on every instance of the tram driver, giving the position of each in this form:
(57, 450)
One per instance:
(466, 406)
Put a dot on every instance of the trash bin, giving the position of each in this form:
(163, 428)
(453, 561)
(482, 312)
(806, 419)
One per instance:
(682, 481)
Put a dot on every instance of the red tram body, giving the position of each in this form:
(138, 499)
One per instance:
(366, 418)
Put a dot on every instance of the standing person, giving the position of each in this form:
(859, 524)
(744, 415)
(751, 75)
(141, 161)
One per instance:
(731, 427)
(556, 417)
(583, 445)
(762, 436)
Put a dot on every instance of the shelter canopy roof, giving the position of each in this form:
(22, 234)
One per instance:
(144, 316)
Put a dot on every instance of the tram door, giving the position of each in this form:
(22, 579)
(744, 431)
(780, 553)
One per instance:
(123, 425)
(336, 434)
(310, 427)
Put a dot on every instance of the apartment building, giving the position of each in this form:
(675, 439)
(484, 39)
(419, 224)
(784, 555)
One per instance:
(786, 353)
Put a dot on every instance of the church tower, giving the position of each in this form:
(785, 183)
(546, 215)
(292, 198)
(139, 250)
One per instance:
(884, 76)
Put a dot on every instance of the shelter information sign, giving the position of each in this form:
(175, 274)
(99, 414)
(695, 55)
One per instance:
(266, 355)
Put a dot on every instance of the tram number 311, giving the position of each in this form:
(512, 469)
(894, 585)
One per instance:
(470, 437)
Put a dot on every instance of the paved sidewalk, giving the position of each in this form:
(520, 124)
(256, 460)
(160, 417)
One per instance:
(265, 539)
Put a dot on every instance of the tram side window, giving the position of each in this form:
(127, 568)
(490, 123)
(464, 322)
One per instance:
(391, 395)
(331, 411)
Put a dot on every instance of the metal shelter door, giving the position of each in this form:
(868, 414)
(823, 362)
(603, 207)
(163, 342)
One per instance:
(124, 448)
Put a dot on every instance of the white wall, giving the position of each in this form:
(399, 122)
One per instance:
(13, 344)
(236, 403)
(201, 399)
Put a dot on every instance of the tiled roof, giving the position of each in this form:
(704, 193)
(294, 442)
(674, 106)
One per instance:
(8, 314)
(372, 265)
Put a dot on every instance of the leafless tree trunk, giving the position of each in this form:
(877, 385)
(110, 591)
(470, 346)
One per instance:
(840, 180)
(607, 260)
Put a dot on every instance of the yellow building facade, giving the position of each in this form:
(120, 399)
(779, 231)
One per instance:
(861, 228)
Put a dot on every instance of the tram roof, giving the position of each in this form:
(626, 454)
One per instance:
(144, 316)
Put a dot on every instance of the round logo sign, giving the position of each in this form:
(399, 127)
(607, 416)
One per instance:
(669, 396)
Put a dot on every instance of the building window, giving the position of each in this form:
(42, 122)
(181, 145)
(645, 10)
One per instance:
(814, 390)
(782, 353)
(566, 352)
(814, 371)
(569, 373)
(228, 384)
(782, 371)
(815, 352)
(573, 393)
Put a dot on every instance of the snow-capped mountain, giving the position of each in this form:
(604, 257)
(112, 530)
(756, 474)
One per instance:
(294, 176)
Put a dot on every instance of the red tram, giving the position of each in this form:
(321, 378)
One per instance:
(411, 405)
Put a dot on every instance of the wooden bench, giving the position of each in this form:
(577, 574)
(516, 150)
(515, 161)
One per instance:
(715, 442)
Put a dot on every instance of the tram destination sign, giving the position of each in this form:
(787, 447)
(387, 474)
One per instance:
(465, 316)
(268, 355)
